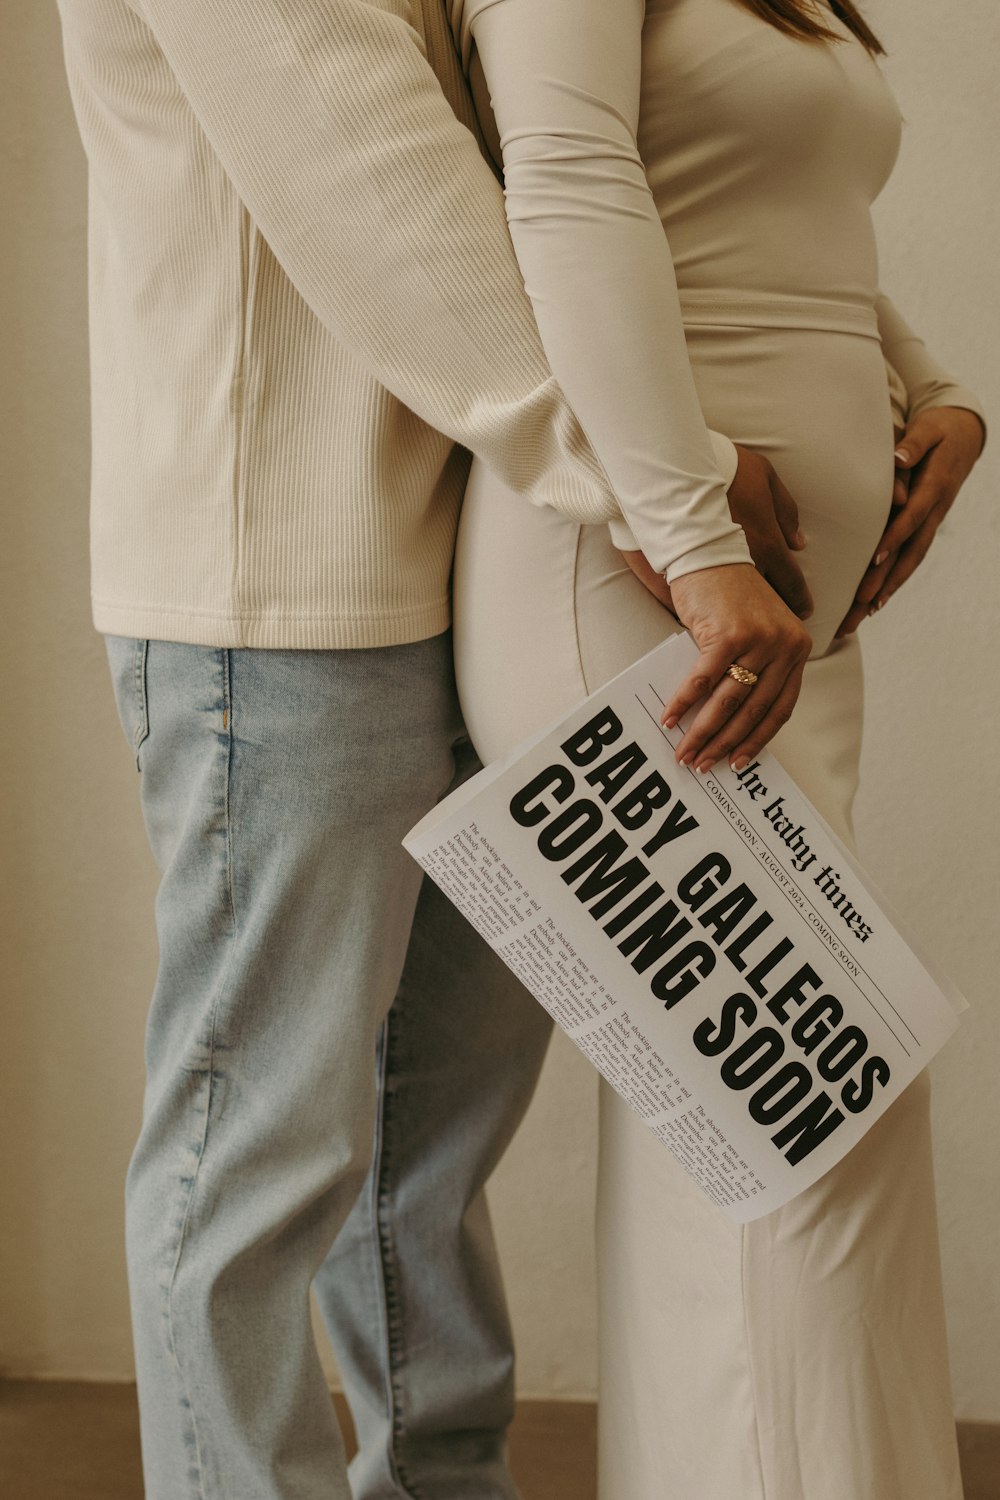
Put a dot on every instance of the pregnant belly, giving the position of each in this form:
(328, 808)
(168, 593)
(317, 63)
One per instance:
(816, 403)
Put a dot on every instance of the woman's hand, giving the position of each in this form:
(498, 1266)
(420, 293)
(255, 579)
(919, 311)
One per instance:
(934, 455)
(762, 505)
(735, 618)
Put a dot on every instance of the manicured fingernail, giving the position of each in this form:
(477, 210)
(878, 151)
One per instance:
(685, 760)
(800, 539)
(670, 722)
(903, 455)
(705, 767)
(880, 558)
(739, 764)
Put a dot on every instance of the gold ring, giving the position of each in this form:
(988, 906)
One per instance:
(742, 675)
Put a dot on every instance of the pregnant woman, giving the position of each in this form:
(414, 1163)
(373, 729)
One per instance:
(689, 186)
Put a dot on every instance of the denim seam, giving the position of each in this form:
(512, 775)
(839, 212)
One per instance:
(761, 1467)
(198, 1444)
(227, 706)
(387, 1267)
(141, 730)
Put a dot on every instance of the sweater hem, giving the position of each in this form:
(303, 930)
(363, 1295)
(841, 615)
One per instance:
(291, 631)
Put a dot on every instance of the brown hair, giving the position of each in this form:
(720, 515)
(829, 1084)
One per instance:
(799, 18)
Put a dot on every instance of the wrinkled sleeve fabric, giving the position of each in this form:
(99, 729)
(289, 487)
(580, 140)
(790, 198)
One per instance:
(916, 380)
(331, 124)
(564, 77)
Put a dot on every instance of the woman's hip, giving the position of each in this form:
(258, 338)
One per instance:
(546, 610)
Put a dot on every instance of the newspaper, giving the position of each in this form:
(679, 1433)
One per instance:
(706, 940)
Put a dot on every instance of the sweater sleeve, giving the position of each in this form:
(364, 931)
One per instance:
(564, 78)
(333, 128)
(916, 380)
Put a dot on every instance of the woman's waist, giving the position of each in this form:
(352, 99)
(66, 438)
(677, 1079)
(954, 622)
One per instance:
(706, 307)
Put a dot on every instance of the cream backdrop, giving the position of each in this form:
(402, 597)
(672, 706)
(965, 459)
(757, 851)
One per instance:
(78, 881)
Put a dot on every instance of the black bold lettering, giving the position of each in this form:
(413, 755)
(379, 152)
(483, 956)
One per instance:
(753, 1058)
(839, 1056)
(749, 935)
(526, 807)
(697, 885)
(657, 934)
(857, 1094)
(809, 1127)
(792, 990)
(570, 829)
(759, 972)
(639, 805)
(588, 741)
(677, 822)
(617, 770)
(715, 1037)
(679, 977)
(726, 914)
(780, 1093)
(811, 1028)
(628, 914)
(606, 878)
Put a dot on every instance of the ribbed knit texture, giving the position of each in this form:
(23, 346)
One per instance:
(281, 373)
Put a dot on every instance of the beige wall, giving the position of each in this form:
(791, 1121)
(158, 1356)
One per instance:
(78, 882)
(931, 657)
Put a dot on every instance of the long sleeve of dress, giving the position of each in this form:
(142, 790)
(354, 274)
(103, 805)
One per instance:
(564, 80)
(916, 380)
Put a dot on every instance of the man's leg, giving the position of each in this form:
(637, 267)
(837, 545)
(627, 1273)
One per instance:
(411, 1290)
(276, 787)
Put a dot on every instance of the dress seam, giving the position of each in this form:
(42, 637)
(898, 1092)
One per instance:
(733, 309)
(576, 613)
(758, 1447)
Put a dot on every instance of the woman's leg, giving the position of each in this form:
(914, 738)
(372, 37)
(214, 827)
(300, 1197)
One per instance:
(799, 1358)
(803, 1356)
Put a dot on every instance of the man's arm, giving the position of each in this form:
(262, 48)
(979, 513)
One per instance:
(333, 128)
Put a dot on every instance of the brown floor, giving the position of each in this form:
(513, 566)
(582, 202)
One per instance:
(63, 1441)
(67, 1441)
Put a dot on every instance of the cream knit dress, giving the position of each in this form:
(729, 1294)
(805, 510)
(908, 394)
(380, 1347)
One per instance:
(801, 1357)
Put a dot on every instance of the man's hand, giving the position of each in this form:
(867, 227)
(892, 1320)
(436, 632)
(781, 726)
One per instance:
(934, 455)
(761, 504)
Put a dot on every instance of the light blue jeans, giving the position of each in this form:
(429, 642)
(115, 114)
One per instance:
(334, 1059)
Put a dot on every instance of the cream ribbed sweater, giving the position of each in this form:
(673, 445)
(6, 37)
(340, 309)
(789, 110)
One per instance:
(303, 296)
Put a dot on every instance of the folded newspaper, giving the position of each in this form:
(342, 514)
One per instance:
(706, 940)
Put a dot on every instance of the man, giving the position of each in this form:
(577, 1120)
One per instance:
(303, 299)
